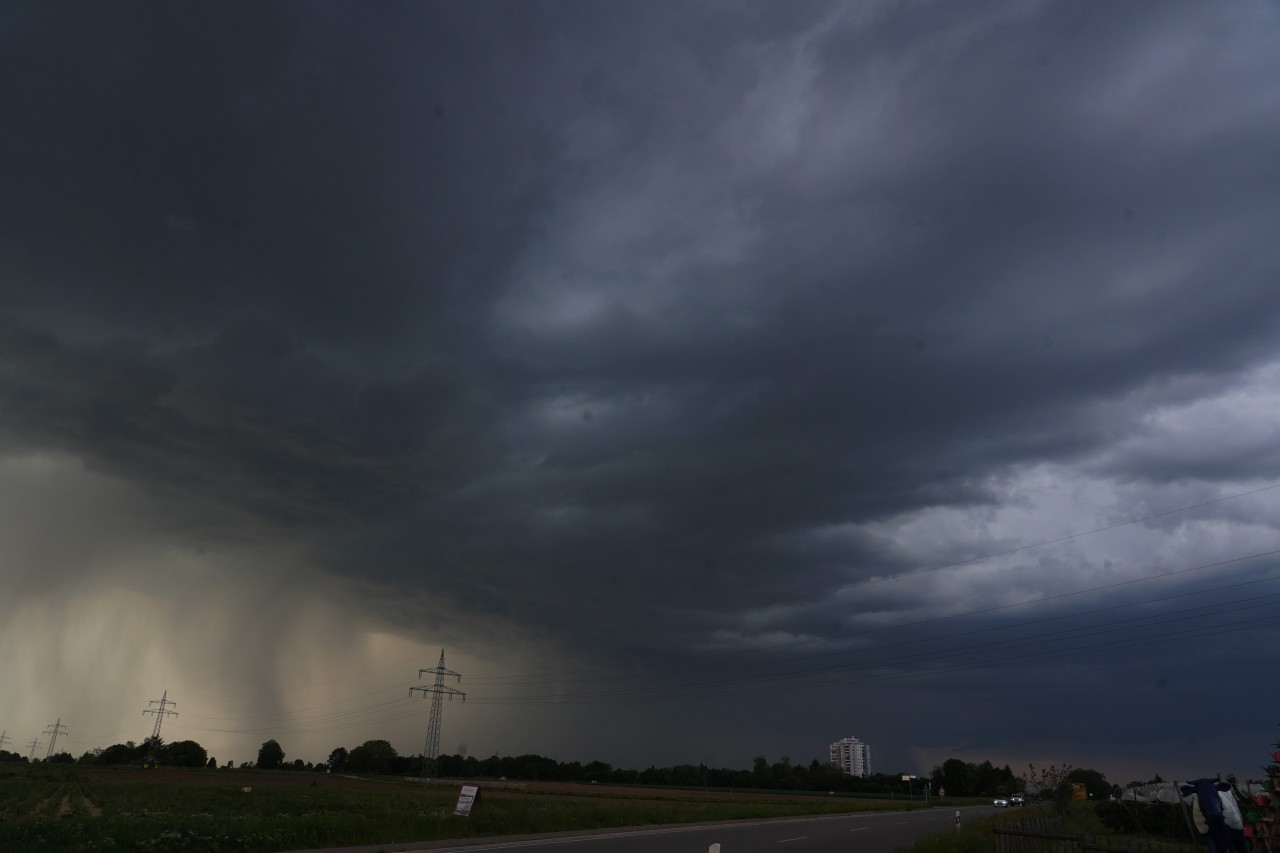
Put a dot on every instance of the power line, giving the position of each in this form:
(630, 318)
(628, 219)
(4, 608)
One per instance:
(989, 661)
(438, 690)
(853, 585)
(354, 717)
(806, 676)
(323, 719)
(791, 661)
(901, 626)
(1153, 639)
(398, 687)
(299, 685)
(999, 644)
(824, 677)
(101, 737)
(649, 691)
(738, 686)
(321, 726)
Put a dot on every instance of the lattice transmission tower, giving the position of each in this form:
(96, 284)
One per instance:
(35, 744)
(438, 690)
(4, 738)
(53, 731)
(164, 702)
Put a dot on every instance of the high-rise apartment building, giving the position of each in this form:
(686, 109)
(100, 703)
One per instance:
(852, 756)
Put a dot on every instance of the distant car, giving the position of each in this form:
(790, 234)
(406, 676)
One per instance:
(1000, 803)
(1016, 800)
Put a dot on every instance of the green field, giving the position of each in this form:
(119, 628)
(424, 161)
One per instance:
(61, 809)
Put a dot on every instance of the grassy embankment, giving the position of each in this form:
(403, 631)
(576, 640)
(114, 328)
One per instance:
(59, 809)
(977, 835)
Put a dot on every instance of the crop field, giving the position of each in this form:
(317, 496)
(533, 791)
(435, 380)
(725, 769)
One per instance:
(63, 808)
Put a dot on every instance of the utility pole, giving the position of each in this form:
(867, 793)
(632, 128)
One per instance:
(160, 713)
(35, 744)
(53, 731)
(431, 751)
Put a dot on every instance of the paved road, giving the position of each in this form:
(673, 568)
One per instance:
(863, 833)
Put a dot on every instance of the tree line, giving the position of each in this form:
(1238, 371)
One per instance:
(181, 753)
(965, 779)
(955, 777)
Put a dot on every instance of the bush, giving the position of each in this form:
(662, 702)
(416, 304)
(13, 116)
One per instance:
(1165, 821)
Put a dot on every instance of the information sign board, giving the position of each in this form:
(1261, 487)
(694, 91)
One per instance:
(468, 799)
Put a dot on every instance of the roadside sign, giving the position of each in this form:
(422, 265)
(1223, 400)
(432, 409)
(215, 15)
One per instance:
(1079, 791)
(468, 799)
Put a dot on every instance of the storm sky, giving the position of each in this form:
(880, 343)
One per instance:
(706, 379)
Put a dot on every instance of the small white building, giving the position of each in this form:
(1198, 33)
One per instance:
(852, 756)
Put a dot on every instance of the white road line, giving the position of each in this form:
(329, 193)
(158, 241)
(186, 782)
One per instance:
(786, 840)
(541, 842)
(859, 829)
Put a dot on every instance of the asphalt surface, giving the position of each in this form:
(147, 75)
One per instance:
(859, 833)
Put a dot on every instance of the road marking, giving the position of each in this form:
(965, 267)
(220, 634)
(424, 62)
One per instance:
(575, 839)
(901, 822)
(785, 840)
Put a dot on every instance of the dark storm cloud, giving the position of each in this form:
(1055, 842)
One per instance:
(643, 328)
(205, 165)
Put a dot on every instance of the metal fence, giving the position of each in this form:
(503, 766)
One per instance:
(1048, 835)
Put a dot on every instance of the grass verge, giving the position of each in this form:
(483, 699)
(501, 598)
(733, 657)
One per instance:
(58, 809)
(978, 835)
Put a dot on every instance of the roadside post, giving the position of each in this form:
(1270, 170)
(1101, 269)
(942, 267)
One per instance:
(957, 820)
(714, 848)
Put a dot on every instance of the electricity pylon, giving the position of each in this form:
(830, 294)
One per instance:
(4, 739)
(431, 752)
(35, 744)
(160, 713)
(53, 731)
